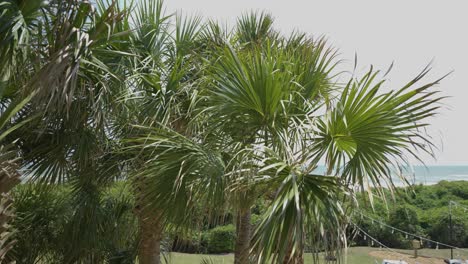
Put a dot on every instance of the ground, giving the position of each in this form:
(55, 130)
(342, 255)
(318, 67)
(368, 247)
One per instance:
(356, 255)
(425, 256)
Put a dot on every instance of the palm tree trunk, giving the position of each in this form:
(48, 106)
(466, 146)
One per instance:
(151, 231)
(243, 230)
(150, 225)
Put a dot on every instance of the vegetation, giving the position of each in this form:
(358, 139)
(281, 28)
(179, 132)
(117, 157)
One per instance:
(50, 213)
(355, 256)
(197, 120)
(221, 239)
(423, 211)
(46, 221)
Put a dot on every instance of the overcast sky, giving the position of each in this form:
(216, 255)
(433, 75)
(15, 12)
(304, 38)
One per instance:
(409, 32)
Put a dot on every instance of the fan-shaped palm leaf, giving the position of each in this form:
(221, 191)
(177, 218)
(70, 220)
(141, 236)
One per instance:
(367, 130)
(176, 172)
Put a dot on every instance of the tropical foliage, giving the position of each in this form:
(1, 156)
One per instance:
(199, 119)
(46, 222)
(421, 210)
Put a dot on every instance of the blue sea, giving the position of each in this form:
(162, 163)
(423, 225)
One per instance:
(427, 174)
(435, 174)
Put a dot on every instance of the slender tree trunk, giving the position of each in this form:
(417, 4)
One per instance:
(151, 227)
(151, 231)
(243, 230)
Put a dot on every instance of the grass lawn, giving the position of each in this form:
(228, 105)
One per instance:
(183, 258)
(356, 255)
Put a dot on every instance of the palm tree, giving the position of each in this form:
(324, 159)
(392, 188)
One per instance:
(9, 172)
(272, 111)
(193, 112)
(163, 93)
(74, 51)
(15, 34)
(72, 58)
(281, 98)
(67, 54)
(271, 83)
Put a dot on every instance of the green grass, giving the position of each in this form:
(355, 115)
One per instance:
(182, 258)
(356, 255)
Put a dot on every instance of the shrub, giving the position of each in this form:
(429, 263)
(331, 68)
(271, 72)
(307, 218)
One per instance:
(440, 231)
(402, 217)
(195, 243)
(406, 218)
(48, 220)
(39, 221)
(221, 239)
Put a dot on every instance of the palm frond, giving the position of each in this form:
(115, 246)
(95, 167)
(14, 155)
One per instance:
(176, 172)
(248, 91)
(368, 130)
(187, 31)
(265, 90)
(151, 30)
(75, 49)
(254, 28)
(20, 21)
(305, 207)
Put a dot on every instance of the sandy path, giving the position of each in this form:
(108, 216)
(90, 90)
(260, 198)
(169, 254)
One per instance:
(405, 257)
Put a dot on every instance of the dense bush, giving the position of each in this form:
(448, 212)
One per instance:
(47, 219)
(195, 243)
(221, 239)
(54, 226)
(402, 217)
(421, 210)
(40, 219)
(440, 231)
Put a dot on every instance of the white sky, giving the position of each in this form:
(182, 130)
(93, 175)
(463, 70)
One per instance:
(409, 32)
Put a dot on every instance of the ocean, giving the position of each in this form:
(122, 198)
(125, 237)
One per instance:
(435, 174)
(427, 174)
